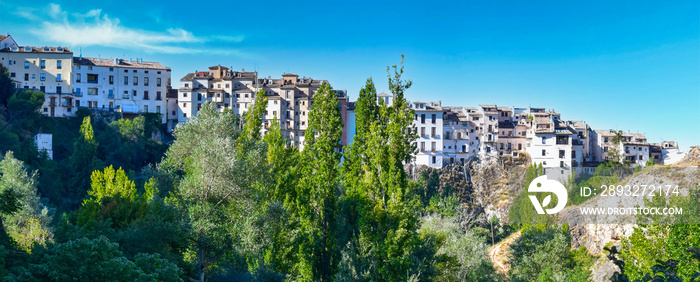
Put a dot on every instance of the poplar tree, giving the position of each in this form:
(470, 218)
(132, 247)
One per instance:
(387, 242)
(316, 199)
(254, 117)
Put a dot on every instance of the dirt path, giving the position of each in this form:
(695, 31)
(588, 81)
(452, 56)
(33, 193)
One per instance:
(499, 252)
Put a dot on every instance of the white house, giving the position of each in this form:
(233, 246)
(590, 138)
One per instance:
(44, 142)
(127, 86)
(428, 122)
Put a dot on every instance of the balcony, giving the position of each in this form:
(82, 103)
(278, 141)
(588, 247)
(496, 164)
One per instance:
(110, 96)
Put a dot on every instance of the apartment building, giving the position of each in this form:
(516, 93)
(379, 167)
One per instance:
(45, 69)
(289, 98)
(131, 87)
(428, 123)
(457, 143)
(634, 146)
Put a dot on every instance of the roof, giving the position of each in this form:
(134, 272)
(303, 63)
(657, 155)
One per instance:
(118, 63)
(2, 37)
(506, 124)
(384, 94)
(32, 49)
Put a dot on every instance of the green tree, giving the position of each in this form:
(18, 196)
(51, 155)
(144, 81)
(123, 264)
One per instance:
(224, 180)
(82, 162)
(254, 117)
(94, 260)
(29, 224)
(388, 246)
(316, 195)
(543, 253)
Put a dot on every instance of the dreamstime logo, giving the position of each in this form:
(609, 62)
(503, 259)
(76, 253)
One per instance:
(542, 184)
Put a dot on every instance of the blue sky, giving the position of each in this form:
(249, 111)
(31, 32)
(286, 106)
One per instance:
(630, 65)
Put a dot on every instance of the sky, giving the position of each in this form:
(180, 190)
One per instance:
(629, 65)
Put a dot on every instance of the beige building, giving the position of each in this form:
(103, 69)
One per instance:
(45, 69)
(289, 98)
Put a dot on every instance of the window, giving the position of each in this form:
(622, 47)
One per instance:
(184, 94)
(158, 96)
(187, 85)
(135, 71)
(433, 117)
(42, 64)
(77, 77)
(111, 79)
(561, 164)
(59, 89)
(133, 93)
(158, 81)
(43, 77)
(432, 132)
(12, 74)
(136, 80)
(26, 65)
(145, 81)
(544, 140)
(26, 77)
(432, 146)
(145, 108)
(544, 153)
(125, 95)
(422, 132)
(157, 109)
(562, 154)
(92, 91)
(111, 94)
(145, 95)
(58, 64)
(434, 159)
(58, 77)
(199, 96)
(520, 147)
(111, 69)
(43, 88)
(77, 103)
(184, 114)
(126, 80)
(422, 118)
(573, 154)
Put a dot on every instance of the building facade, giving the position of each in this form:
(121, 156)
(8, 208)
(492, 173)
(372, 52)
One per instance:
(45, 69)
(289, 98)
(126, 86)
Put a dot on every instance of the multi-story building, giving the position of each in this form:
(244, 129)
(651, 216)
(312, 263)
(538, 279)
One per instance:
(45, 69)
(428, 123)
(633, 147)
(130, 87)
(456, 135)
(44, 143)
(289, 98)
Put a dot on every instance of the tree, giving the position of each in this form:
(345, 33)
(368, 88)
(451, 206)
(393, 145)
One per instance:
(29, 224)
(387, 242)
(543, 253)
(94, 260)
(316, 201)
(224, 180)
(83, 162)
(254, 117)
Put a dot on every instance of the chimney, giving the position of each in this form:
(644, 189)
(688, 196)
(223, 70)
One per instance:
(129, 60)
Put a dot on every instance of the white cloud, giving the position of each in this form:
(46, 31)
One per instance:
(97, 29)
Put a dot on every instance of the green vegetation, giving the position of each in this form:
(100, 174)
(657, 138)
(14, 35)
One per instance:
(225, 201)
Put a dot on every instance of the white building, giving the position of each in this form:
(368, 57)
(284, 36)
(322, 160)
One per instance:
(633, 147)
(289, 98)
(670, 153)
(457, 144)
(45, 69)
(126, 86)
(44, 142)
(428, 122)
